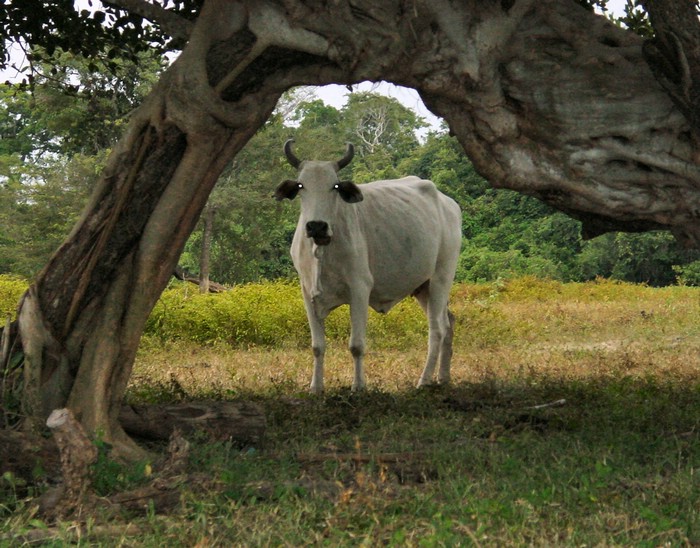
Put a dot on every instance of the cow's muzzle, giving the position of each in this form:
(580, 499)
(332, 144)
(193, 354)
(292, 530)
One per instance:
(318, 230)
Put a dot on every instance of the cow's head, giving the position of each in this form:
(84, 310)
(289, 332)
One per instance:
(321, 192)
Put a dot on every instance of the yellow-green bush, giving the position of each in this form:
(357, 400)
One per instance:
(403, 326)
(11, 289)
(531, 288)
(269, 314)
(264, 314)
(253, 314)
(272, 314)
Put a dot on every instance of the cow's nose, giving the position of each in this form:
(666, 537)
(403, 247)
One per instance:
(318, 230)
(315, 229)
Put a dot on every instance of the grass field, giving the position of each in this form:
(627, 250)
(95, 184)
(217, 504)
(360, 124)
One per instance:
(573, 420)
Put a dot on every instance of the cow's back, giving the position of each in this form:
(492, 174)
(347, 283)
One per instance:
(411, 231)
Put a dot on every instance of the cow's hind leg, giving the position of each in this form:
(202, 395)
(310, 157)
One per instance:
(433, 299)
(359, 311)
(446, 349)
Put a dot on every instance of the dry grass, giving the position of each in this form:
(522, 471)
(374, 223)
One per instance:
(528, 328)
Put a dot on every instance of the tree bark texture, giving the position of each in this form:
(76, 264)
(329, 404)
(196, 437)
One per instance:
(546, 98)
(674, 54)
(209, 213)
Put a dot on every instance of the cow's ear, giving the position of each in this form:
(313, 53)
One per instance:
(349, 192)
(288, 189)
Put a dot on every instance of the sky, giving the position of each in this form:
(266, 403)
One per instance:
(336, 96)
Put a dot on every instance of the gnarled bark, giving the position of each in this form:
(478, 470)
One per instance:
(545, 97)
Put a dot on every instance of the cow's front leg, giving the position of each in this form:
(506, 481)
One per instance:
(318, 344)
(358, 317)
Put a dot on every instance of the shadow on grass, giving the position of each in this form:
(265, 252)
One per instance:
(604, 410)
(553, 462)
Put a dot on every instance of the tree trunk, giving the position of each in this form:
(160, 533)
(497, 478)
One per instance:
(206, 249)
(545, 97)
(674, 54)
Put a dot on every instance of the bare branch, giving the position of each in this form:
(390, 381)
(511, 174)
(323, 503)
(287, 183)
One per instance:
(171, 23)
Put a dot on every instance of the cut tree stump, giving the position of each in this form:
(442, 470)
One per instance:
(78, 454)
(22, 454)
(238, 421)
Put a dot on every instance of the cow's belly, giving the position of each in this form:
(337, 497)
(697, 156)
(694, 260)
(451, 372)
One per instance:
(384, 305)
(385, 296)
(333, 289)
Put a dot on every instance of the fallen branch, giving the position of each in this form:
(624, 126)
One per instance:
(185, 276)
(381, 458)
(75, 533)
(556, 403)
(21, 453)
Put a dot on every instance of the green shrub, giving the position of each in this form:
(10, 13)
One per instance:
(532, 288)
(11, 290)
(485, 265)
(688, 274)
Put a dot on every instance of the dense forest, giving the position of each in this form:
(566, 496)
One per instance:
(56, 134)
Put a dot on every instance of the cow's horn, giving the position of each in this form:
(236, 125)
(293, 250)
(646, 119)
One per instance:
(349, 153)
(291, 158)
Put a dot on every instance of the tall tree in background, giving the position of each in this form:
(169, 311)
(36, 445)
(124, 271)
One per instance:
(545, 97)
(53, 144)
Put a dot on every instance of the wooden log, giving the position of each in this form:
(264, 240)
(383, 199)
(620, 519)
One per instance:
(238, 421)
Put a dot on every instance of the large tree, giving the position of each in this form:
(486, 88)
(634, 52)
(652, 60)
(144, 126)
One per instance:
(546, 98)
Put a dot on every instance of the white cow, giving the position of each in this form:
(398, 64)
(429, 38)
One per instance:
(373, 245)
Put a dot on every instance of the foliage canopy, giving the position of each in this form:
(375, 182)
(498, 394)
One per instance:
(55, 140)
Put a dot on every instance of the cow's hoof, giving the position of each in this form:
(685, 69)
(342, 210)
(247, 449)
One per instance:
(429, 385)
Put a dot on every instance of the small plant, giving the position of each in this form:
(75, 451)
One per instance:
(10, 486)
(110, 476)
